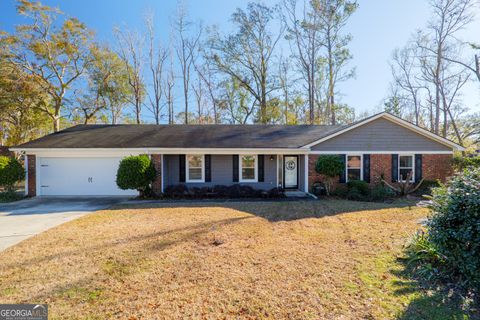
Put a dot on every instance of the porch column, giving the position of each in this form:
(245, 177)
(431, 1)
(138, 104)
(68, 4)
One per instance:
(306, 180)
(31, 187)
(157, 185)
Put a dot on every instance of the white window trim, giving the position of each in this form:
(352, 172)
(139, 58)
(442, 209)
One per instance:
(240, 168)
(413, 166)
(361, 165)
(187, 167)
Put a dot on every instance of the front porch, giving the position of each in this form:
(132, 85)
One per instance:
(260, 171)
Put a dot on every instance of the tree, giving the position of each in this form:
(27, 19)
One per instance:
(331, 167)
(334, 15)
(11, 172)
(157, 57)
(107, 86)
(449, 17)
(305, 37)
(56, 56)
(130, 51)
(236, 101)
(21, 100)
(247, 55)
(404, 69)
(186, 49)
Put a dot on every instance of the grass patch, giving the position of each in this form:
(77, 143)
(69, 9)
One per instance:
(243, 260)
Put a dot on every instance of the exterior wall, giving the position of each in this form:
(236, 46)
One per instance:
(437, 166)
(158, 183)
(313, 176)
(380, 135)
(434, 167)
(32, 176)
(380, 164)
(222, 172)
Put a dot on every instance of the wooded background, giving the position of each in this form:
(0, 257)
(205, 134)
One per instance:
(282, 64)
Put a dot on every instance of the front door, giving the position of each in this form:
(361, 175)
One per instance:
(290, 169)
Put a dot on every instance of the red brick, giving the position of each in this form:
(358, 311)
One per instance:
(157, 183)
(437, 166)
(434, 167)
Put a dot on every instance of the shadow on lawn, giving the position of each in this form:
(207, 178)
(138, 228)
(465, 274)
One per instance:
(275, 211)
(431, 300)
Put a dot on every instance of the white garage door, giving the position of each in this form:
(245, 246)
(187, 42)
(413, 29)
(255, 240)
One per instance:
(80, 177)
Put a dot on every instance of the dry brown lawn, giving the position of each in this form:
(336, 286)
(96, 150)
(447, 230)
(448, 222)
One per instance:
(253, 260)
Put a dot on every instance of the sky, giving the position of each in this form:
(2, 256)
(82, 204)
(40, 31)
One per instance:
(378, 27)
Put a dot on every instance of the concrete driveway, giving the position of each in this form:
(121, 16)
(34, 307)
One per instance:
(23, 219)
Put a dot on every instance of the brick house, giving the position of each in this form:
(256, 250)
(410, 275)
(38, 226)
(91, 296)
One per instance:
(83, 160)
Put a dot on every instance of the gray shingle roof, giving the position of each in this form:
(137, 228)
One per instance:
(183, 136)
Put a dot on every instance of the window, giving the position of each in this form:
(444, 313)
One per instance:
(195, 168)
(248, 168)
(354, 168)
(405, 167)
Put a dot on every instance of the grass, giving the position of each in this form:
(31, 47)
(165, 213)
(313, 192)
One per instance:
(246, 260)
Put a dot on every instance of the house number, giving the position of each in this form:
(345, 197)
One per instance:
(90, 180)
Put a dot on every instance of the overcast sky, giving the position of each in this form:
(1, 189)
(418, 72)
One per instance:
(378, 27)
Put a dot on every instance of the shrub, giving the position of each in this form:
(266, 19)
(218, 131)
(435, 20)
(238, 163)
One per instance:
(461, 163)
(360, 185)
(181, 191)
(340, 191)
(426, 188)
(423, 257)
(11, 172)
(381, 193)
(454, 228)
(330, 166)
(136, 172)
(177, 191)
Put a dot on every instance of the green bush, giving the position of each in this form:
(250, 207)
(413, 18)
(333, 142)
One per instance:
(426, 188)
(461, 163)
(381, 193)
(340, 191)
(331, 167)
(11, 172)
(136, 172)
(454, 228)
(423, 257)
(361, 186)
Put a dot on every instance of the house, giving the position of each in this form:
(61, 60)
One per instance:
(83, 160)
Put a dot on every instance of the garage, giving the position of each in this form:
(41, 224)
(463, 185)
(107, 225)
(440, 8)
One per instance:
(79, 177)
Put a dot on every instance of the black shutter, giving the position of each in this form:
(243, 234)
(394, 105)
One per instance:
(261, 168)
(343, 175)
(394, 167)
(181, 167)
(235, 167)
(418, 168)
(366, 168)
(208, 168)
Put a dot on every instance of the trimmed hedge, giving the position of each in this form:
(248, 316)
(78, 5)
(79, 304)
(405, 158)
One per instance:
(182, 191)
(137, 173)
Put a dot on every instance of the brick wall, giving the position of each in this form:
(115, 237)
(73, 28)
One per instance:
(314, 176)
(157, 184)
(380, 164)
(437, 166)
(32, 176)
(434, 166)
